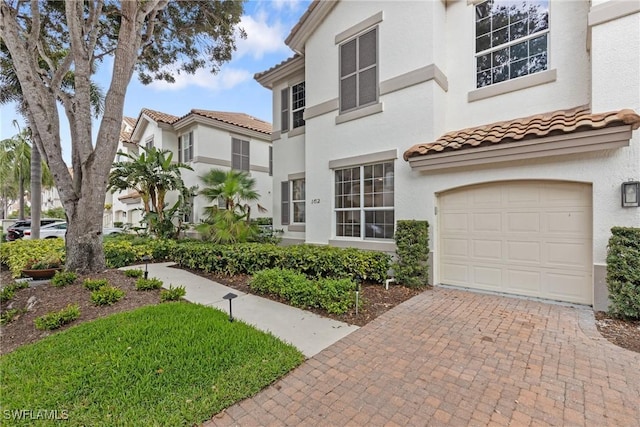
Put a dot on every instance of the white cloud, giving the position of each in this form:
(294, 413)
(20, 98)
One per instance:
(227, 78)
(288, 4)
(262, 38)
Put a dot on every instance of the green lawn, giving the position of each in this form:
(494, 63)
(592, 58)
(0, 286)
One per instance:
(170, 364)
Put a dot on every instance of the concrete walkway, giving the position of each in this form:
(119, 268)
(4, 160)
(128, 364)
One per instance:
(454, 358)
(307, 331)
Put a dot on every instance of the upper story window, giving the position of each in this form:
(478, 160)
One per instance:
(512, 39)
(185, 147)
(359, 71)
(148, 143)
(292, 102)
(240, 154)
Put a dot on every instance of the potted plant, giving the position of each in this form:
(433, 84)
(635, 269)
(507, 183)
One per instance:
(43, 268)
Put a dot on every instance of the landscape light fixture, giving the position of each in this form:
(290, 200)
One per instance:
(230, 296)
(630, 194)
(146, 260)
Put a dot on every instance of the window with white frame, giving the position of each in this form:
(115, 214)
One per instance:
(240, 154)
(359, 71)
(292, 202)
(187, 212)
(148, 143)
(292, 103)
(512, 39)
(185, 147)
(364, 201)
(298, 200)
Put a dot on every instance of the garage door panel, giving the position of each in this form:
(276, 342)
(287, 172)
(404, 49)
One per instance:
(487, 222)
(523, 222)
(488, 277)
(455, 274)
(568, 222)
(524, 252)
(527, 237)
(487, 249)
(525, 282)
(567, 255)
(455, 222)
(567, 287)
(455, 247)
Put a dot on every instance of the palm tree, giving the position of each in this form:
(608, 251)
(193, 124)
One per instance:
(236, 188)
(152, 174)
(233, 223)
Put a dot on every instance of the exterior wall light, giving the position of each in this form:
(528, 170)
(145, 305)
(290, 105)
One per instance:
(630, 194)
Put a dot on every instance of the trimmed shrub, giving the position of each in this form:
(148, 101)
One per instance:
(143, 284)
(134, 273)
(56, 319)
(107, 295)
(623, 272)
(95, 284)
(7, 316)
(313, 261)
(333, 295)
(9, 291)
(412, 242)
(63, 278)
(17, 255)
(172, 294)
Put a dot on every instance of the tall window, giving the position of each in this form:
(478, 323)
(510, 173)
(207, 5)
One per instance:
(364, 201)
(512, 39)
(298, 200)
(359, 71)
(270, 160)
(295, 110)
(297, 105)
(240, 154)
(185, 147)
(148, 143)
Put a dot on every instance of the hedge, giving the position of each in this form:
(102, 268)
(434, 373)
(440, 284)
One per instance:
(312, 261)
(18, 253)
(623, 272)
(412, 243)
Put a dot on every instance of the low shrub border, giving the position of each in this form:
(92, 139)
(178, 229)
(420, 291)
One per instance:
(623, 272)
(56, 319)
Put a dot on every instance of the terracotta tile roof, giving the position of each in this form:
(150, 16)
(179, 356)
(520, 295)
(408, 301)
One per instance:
(130, 121)
(556, 122)
(257, 76)
(301, 21)
(125, 136)
(238, 119)
(159, 116)
(130, 195)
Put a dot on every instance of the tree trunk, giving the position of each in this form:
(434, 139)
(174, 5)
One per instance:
(83, 241)
(36, 191)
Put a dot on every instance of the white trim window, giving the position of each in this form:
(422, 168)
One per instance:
(292, 113)
(298, 201)
(148, 143)
(240, 154)
(359, 71)
(185, 147)
(512, 39)
(364, 201)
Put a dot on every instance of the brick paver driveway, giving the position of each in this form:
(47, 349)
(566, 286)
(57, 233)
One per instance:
(450, 357)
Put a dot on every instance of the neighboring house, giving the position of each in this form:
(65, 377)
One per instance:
(509, 126)
(204, 140)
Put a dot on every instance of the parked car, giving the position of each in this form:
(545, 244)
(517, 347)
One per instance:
(16, 231)
(59, 230)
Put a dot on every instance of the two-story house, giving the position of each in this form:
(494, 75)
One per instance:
(204, 140)
(510, 126)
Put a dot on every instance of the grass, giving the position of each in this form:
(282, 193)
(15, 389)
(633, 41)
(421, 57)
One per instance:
(170, 364)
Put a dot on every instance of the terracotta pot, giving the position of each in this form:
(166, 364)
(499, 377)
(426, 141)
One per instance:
(46, 273)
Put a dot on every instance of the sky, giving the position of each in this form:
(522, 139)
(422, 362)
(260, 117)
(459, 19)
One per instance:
(266, 22)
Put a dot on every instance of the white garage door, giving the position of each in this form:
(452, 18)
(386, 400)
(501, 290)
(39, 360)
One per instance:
(521, 237)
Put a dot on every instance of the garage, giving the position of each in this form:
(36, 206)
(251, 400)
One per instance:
(530, 238)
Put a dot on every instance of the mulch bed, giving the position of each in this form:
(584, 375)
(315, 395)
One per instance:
(48, 298)
(376, 300)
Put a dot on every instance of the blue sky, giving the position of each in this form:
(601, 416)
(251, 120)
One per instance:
(266, 22)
